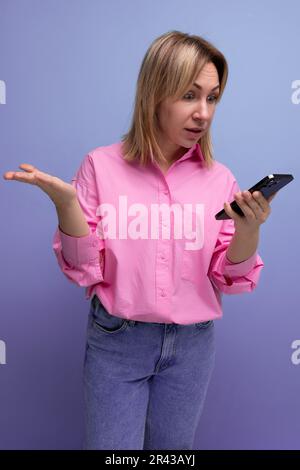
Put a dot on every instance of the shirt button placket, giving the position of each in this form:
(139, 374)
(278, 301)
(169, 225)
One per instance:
(163, 246)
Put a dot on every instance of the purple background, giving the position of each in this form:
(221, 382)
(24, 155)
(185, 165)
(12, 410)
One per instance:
(70, 69)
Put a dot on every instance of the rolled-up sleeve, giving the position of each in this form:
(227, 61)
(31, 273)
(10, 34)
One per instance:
(81, 259)
(228, 277)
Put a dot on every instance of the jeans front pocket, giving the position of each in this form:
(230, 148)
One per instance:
(204, 324)
(103, 321)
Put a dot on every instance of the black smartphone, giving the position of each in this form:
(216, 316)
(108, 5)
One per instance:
(267, 186)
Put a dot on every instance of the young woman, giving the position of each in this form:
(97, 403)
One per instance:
(137, 230)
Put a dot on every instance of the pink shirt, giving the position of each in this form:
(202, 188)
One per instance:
(143, 264)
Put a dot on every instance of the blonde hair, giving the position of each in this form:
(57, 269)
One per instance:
(170, 65)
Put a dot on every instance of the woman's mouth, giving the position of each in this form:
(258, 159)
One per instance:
(194, 133)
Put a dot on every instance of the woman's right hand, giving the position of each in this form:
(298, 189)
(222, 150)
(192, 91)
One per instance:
(60, 193)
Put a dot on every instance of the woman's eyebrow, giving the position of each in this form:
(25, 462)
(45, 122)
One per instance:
(200, 87)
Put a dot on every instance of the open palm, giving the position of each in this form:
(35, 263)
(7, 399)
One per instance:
(60, 193)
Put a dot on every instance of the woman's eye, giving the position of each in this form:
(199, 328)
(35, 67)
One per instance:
(192, 95)
(188, 94)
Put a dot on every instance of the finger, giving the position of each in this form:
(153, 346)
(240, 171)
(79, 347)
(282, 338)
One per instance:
(262, 201)
(39, 175)
(246, 209)
(31, 177)
(8, 175)
(27, 167)
(256, 203)
(12, 174)
(229, 211)
(19, 176)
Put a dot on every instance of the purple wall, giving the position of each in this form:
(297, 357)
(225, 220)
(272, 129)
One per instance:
(68, 71)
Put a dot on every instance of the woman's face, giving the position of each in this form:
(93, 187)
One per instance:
(194, 110)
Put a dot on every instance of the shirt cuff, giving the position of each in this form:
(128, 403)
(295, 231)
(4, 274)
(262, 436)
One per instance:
(239, 269)
(80, 250)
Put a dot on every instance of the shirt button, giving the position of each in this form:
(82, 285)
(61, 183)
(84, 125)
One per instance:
(162, 256)
(163, 294)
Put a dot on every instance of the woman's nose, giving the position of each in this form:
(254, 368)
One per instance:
(202, 112)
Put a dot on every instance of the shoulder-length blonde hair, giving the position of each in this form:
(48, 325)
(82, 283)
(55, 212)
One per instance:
(170, 65)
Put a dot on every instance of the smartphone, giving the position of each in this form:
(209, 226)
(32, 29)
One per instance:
(267, 186)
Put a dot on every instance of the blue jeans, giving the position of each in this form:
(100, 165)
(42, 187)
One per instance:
(144, 383)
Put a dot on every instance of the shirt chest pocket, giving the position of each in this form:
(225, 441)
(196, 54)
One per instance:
(190, 265)
(192, 246)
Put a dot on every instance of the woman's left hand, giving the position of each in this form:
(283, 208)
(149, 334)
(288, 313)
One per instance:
(255, 207)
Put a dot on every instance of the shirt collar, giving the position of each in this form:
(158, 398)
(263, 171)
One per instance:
(195, 150)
